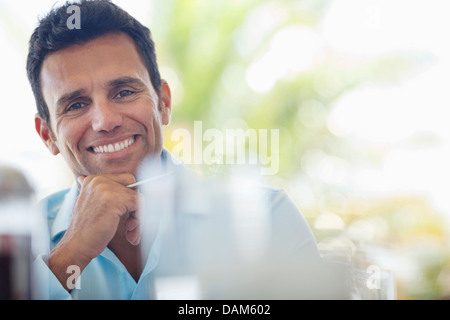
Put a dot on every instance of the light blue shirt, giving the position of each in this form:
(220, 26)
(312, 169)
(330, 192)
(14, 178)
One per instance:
(105, 277)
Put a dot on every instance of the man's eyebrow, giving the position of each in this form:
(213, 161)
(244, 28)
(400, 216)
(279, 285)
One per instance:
(113, 83)
(126, 81)
(69, 97)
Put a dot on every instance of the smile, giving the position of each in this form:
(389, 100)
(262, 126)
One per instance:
(116, 147)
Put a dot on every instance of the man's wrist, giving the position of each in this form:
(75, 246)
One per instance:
(66, 264)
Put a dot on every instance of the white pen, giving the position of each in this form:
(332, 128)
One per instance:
(148, 180)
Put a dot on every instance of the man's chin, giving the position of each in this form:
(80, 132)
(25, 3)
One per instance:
(123, 166)
(114, 170)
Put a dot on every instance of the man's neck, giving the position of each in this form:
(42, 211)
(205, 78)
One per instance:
(128, 254)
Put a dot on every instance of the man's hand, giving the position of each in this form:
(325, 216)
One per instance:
(104, 202)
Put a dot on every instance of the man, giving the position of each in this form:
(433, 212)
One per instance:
(102, 105)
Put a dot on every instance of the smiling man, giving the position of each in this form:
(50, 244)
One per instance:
(104, 113)
(102, 106)
(105, 117)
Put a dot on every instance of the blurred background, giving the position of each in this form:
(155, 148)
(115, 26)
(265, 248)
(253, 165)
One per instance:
(356, 88)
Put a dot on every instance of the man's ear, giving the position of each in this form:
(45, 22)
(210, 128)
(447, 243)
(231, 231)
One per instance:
(166, 103)
(45, 133)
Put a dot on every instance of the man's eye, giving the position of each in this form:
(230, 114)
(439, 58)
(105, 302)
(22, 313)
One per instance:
(76, 106)
(124, 93)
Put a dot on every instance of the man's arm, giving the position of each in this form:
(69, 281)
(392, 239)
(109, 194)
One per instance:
(103, 201)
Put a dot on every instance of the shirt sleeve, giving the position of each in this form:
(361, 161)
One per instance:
(45, 284)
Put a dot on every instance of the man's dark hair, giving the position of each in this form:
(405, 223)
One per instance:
(98, 17)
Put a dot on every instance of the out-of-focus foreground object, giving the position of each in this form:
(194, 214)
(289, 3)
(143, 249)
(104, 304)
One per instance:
(17, 228)
(220, 238)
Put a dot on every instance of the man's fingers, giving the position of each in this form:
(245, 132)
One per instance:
(124, 179)
(132, 223)
(135, 214)
(111, 189)
(110, 196)
(134, 236)
(133, 233)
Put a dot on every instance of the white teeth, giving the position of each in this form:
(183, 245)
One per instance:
(114, 148)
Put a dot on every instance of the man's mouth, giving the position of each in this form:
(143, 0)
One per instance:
(114, 147)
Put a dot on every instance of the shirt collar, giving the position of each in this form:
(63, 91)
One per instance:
(64, 215)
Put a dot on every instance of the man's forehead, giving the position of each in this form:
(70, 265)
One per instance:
(109, 58)
(101, 50)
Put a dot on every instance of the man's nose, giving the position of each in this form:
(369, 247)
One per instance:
(105, 116)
